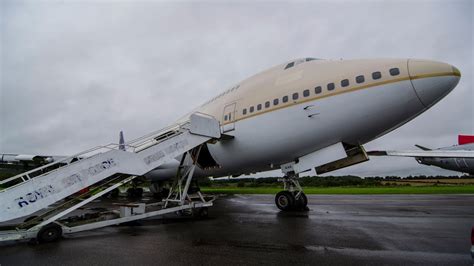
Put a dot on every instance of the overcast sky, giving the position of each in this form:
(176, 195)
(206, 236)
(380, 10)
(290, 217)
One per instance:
(75, 73)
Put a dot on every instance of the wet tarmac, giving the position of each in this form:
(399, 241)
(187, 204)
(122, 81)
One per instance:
(249, 230)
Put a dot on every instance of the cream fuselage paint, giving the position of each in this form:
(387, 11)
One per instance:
(354, 114)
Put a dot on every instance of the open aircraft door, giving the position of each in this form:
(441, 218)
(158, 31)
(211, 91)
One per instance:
(228, 116)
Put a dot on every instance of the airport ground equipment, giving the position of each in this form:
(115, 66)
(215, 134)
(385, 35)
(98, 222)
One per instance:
(105, 168)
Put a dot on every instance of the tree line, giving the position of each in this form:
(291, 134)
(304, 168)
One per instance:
(319, 181)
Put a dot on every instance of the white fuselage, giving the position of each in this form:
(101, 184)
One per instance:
(353, 111)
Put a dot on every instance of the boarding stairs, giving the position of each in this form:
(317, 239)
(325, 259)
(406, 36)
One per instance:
(107, 166)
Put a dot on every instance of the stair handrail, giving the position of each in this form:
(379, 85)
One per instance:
(134, 144)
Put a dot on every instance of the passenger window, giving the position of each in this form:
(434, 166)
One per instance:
(259, 107)
(284, 99)
(267, 104)
(360, 79)
(306, 93)
(295, 96)
(394, 71)
(244, 112)
(251, 109)
(275, 102)
(225, 117)
(317, 89)
(290, 65)
(376, 75)
(331, 86)
(344, 83)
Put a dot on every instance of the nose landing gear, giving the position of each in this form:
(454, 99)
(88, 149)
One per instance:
(292, 198)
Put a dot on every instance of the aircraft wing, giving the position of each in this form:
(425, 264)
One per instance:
(425, 153)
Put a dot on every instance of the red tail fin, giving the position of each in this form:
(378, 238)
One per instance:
(465, 139)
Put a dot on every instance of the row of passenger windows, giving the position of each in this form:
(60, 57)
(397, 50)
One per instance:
(317, 90)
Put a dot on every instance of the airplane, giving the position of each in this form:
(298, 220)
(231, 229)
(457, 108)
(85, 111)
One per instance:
(11, 164)
(457, 158)
(312, 113)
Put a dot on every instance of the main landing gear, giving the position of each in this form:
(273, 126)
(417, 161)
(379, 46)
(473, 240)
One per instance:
(292, 198)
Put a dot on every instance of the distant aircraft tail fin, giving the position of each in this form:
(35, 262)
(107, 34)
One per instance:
(465, 139)
(422, 148)
(121, 142)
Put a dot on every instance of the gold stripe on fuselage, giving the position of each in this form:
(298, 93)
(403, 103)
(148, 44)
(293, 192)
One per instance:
(375, 84)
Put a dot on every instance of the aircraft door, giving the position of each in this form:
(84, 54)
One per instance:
(228, 118)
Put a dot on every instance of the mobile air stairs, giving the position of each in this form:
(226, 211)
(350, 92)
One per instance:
(104, 168)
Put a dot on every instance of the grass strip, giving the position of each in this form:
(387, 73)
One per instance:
(467, 189)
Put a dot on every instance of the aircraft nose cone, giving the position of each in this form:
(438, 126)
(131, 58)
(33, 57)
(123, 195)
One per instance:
(432, 80)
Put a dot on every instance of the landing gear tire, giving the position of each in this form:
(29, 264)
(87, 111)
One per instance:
(49, 233)
(302, 202)
(285, 200)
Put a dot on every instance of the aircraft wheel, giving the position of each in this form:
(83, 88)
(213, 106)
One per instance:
(284, 200)
(302, 202)
(49, 233)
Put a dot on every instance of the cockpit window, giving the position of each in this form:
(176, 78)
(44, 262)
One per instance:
(290, 65)
(299, 61)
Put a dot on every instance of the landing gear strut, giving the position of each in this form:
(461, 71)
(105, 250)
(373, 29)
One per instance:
(292, 198)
